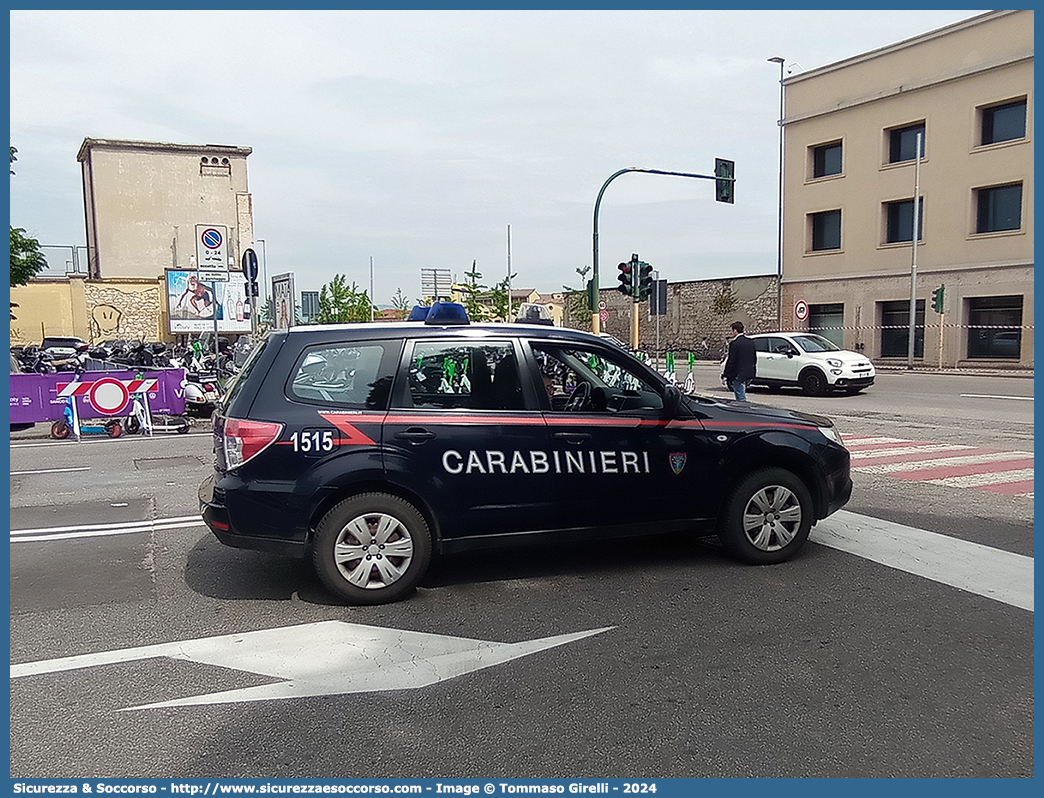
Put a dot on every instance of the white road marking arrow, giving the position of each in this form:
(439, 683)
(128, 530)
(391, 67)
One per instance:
(325, 658)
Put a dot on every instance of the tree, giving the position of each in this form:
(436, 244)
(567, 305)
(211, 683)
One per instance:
(476, 309)
(399, 302)
(575, 300)
(26, 257)
(500, 298)
(339, 302)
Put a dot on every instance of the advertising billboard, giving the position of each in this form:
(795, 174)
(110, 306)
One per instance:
(193, 304)
(283, 301)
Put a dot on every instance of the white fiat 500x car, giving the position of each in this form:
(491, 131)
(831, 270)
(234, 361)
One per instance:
(810, 362)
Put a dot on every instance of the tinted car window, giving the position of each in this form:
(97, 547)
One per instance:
(346, 375)
(243, 375)
(450, 374)
(613, 384)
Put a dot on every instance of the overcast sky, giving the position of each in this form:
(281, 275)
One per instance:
(417, 137)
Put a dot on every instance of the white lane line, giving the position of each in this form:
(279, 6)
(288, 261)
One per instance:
(49, 471)
(913, 450)
(101, 530)
(978, 480)
(106, 439)
(942, 462)
(982, 570)
(987, 396)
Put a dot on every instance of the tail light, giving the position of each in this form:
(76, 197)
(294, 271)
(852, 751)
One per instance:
(239, 441)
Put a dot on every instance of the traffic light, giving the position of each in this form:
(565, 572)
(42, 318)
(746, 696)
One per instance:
(645, 281)
(937, 299)
(725, 179)
(592, 296)
(625, 279)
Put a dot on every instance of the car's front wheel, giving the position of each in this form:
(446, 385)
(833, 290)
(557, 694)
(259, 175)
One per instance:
(767, 517)
(372, 548)
(814, 382)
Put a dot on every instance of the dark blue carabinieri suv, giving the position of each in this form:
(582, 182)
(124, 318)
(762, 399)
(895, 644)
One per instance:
(369, 448)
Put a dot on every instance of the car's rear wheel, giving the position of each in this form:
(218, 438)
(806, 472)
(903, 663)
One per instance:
(372, 548)
(767, 517)
(814, 382)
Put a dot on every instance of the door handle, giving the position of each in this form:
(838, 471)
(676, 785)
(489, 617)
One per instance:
(572, 437)
(416, 436)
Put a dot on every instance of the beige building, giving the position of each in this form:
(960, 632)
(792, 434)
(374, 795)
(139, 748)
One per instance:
(850, 170)
(142, 202)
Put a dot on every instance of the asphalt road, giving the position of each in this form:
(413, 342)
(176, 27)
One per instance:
(655, 658)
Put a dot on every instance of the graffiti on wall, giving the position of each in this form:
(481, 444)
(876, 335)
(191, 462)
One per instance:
(105, 322)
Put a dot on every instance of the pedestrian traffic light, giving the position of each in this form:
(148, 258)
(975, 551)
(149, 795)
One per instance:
(937, 299)
(645, 281)
(625, 279)
(725, 179)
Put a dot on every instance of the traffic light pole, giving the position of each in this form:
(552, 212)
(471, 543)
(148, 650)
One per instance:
(595, 320)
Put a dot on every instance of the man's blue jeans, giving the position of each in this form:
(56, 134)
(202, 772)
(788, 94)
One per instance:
(740, 389)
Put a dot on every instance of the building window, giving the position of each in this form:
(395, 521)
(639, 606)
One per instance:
(899, 217)
(902, 143)
(999, 208)
(828, 321)
(826, 230)
(826, 160)
(995, 327)
(895, 328)
(1004, 122)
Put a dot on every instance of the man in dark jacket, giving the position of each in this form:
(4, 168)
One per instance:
(742, 361)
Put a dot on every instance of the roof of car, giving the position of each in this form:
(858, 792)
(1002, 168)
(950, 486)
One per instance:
(368, 331)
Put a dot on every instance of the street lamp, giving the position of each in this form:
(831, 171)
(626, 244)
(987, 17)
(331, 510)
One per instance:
(264, 272)
(779, 223)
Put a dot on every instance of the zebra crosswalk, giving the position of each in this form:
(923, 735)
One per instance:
(952, 465)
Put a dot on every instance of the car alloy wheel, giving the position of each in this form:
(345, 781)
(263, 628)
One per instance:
(767, 517)
(372, 548)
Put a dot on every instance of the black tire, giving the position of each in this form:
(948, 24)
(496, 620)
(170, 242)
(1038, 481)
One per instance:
(60, 429)
(766, 517)
(814, 382)
(184, 425)
(350, 550)
(132, 425)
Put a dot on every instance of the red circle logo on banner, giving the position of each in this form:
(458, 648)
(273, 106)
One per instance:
(109, 396)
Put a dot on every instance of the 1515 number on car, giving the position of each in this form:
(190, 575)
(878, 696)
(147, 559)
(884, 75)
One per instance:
(313, 441)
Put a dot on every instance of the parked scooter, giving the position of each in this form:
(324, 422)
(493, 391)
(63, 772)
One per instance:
(142, 421)
(70, 424)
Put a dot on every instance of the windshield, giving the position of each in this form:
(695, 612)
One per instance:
(815, 343)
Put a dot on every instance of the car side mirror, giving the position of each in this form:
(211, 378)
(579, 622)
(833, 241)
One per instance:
(671, 400)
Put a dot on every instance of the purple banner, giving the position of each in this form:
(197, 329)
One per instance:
(34, 397)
